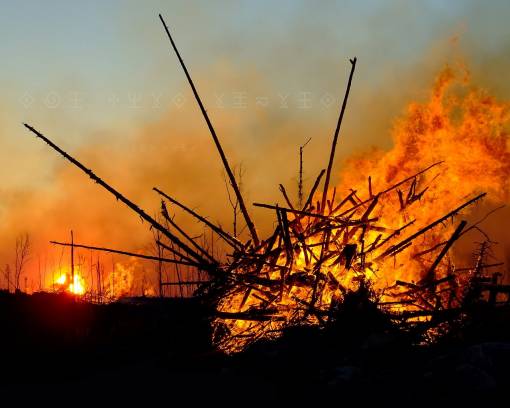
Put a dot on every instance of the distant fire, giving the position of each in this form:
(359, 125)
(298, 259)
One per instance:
(99, 285)
(66, 283)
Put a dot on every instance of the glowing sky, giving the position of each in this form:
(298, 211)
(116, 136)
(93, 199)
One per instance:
(98, 76)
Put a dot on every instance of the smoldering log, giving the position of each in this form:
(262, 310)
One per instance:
(191, 283)
(285, 196)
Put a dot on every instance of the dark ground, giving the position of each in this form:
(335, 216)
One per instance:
(157, 352)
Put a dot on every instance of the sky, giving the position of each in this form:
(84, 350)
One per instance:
(100, 79)
(89, 53)
(85, 67)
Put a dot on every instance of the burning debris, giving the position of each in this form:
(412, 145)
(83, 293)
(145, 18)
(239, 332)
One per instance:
(387, 241)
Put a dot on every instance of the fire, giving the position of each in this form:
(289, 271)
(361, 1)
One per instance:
(66, 283)
(61, 280)
(468, 132)
(113, 285)
(122, 280)
(461, 137)
(78, 285)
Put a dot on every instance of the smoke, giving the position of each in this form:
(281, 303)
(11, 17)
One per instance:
(173, 150)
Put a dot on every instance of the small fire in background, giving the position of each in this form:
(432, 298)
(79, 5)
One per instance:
(66, 283)
(95, 283)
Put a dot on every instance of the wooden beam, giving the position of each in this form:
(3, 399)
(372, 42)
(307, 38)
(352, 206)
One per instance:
(232, 179)
(335, 137)
(226, 237)
(155, 224)
(116, 251)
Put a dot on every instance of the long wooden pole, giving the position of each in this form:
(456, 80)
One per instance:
(169, 219)
(430, 276)
(389, 189)
(394, 248)
(117, 251)
(233, 182)
(335, 137)
(300, 181)
(155, 224)
(312, 191)
(342, 221)
(226, 237)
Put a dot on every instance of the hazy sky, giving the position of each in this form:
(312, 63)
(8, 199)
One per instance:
(82, 67)
(89, 53)
(78, 69)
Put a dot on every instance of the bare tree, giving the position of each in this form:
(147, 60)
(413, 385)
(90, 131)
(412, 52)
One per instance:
(234, 201)
(100, 281)
(22, 255)
(300, 179)
(158, 250)
(40, 275)
(7, 275)
(143, 283)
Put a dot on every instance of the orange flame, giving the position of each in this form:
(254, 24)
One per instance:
(463, 127)
(468, 130)
(75, 286)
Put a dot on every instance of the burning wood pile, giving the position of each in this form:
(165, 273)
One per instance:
(319, 254)
(373, 240)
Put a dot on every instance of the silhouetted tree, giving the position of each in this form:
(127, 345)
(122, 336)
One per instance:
(234, 201)
(300, 178)
(7, 275)
(22, 254)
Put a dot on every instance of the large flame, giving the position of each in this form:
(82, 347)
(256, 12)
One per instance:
(464, 128)
(68, 283)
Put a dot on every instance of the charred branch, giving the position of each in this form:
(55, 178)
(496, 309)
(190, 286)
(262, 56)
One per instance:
(230, 174)
(335, 137)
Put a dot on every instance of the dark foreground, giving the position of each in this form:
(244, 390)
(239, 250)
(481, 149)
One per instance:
(152, 351)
